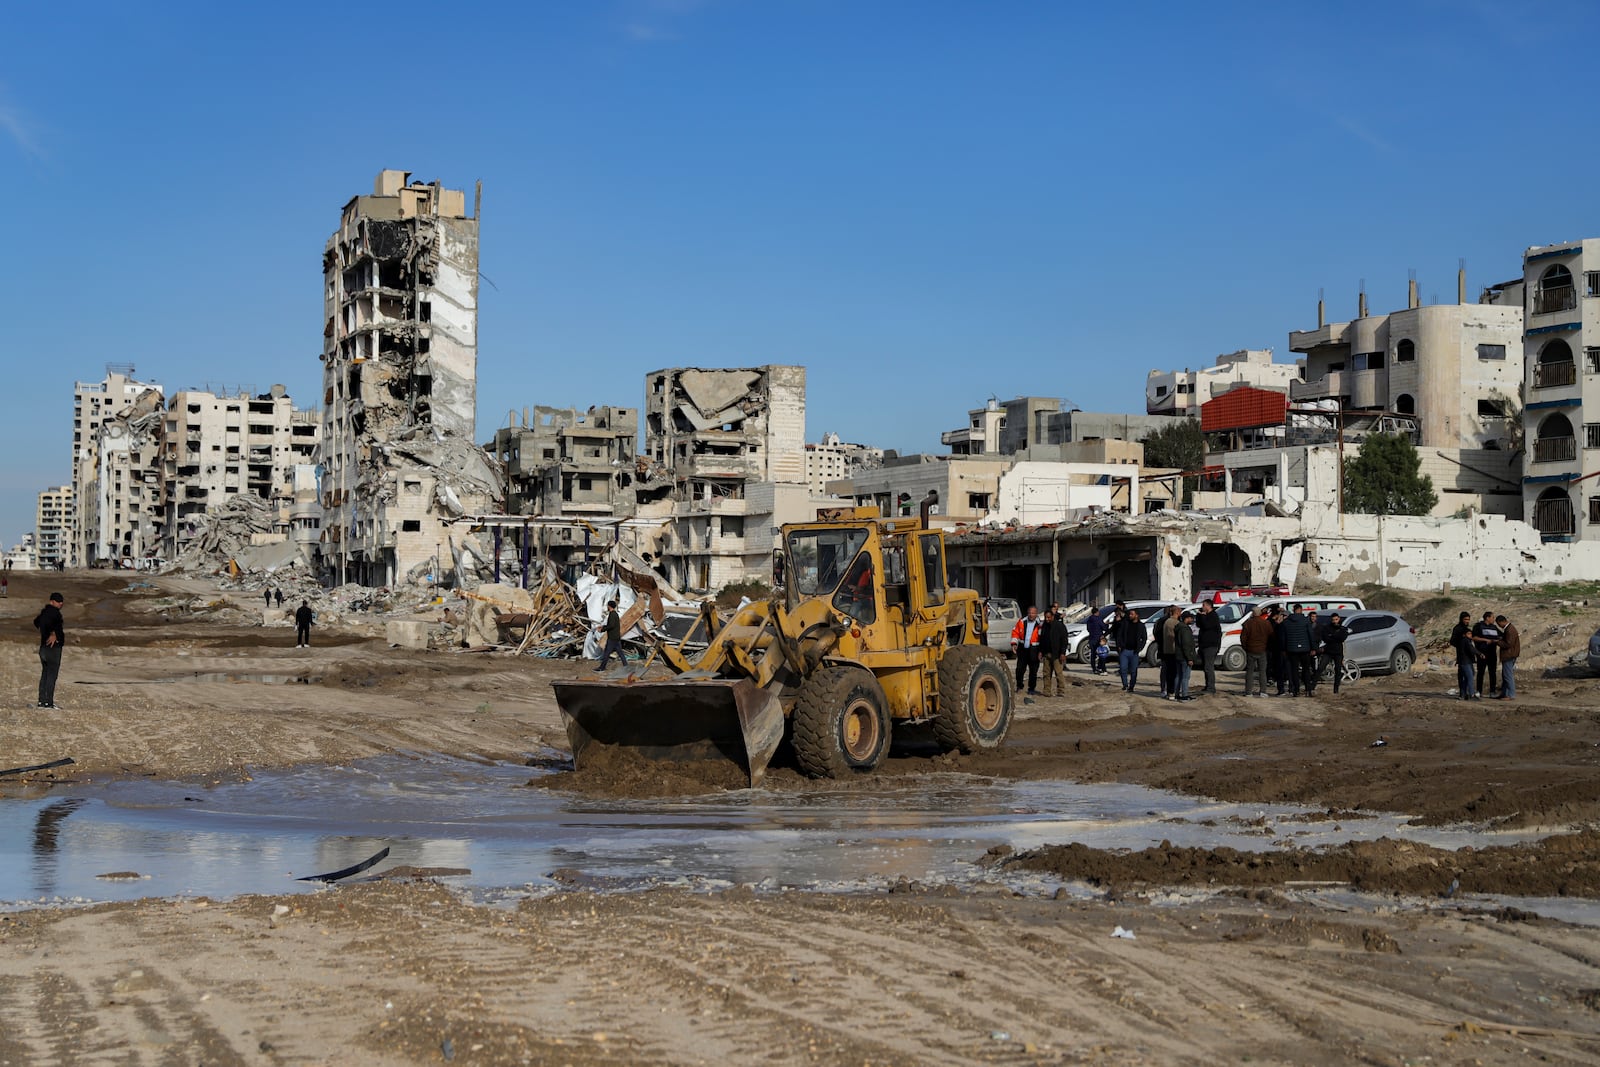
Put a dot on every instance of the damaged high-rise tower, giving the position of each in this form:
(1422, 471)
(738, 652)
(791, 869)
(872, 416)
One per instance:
(399, 354)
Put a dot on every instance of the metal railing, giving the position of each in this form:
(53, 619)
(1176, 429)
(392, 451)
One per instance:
(1555, 449)
(1591, 435)
(1553, 375)
(1553, 518)
(1546, 301)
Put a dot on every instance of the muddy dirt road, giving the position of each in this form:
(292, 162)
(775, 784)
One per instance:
(1227, 961)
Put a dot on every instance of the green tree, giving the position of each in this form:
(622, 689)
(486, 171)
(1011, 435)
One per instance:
(1384, 479)
(1178, 444)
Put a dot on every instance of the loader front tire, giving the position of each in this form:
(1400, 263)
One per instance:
(974, 701)
(840, 724)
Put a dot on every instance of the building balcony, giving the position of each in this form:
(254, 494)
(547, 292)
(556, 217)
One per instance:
(1551, 301)
(718, 505)
(1555, 374)
(1555, 449)
(1553, 518)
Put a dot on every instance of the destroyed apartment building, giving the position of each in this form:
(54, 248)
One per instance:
(400, 296)
(724, 465)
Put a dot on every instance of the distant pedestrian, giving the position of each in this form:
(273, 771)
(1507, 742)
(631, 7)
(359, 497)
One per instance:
(1209, 639)
(5, 585)
(1167, 649)
(302, 624)
(266, 597)
(52, 638)
(1026, 637)
(1277, 659)
(278, 594)
(1254, 637)
(1486, 643)
(1131, 637)
(1053, 653)
(613, 632)
(1510, 649)
(1466, 657)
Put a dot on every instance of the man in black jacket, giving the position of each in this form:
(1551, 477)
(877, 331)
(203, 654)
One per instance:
(1210, 642)
(1053, 651)
(1466, 657)
(613, 636)
(1332, 637)
(303, 616)
(1131, 636)
(52, 636)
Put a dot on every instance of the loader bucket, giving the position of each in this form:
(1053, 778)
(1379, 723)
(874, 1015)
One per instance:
(681, 720)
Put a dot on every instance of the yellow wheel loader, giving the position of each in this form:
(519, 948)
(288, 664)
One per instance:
(862, 633)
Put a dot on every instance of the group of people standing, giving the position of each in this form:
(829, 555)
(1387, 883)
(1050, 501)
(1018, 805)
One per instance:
(1187, 639)
(1289, 649)
(1482, 648)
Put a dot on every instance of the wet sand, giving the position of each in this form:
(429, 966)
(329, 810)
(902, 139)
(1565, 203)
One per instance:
(1227, 961)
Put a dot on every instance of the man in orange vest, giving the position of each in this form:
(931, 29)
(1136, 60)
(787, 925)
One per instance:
(1025, 638)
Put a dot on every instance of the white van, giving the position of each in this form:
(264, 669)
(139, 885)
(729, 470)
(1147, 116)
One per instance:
(1233, 614)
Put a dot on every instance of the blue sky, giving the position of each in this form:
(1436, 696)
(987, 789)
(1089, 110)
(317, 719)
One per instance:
(924, 203)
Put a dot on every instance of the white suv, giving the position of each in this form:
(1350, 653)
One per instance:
(1078, 648)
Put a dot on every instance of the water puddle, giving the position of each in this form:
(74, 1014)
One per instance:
(180, 839)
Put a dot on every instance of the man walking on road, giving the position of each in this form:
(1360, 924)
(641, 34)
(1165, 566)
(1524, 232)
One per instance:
(52, 636)
(1510, 649)
(613, 627)
(302, 625)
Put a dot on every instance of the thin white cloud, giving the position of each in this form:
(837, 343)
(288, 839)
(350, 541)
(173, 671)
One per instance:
(1361, 133)
(16, 125)
(652, 21)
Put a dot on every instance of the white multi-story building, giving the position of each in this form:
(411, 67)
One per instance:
(1561, 415)
(52, 527)
(215, 446)
(830, 459)
(1181, 392)
(981, 435)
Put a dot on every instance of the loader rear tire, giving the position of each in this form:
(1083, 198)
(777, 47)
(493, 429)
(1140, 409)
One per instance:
(974, 701)
(840, 724)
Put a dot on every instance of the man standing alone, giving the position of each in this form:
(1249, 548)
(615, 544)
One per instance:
(302, 625)
(52, 636)
(1131, 637)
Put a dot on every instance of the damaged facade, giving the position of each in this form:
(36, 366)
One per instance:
(710, 437)
(400, 300)
(110, 476)
(215, 447)
(561, 462)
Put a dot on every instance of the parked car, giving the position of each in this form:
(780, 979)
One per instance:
(1380, 641)
(1078, 648)
(1000, 615)
(1233, 614)
(1594, 651)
